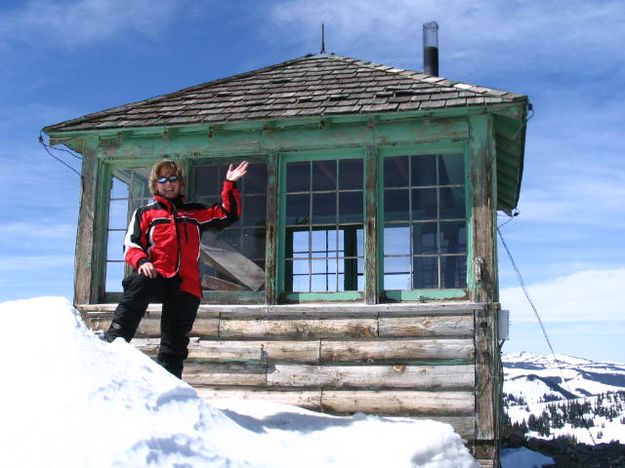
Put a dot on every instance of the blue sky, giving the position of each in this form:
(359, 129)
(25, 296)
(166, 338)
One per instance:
(63, 59)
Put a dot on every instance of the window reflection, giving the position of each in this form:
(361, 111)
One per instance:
(233, 259)
(425, 235)
(323, 217)
(129, 190)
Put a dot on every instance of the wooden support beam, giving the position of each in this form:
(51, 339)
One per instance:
(271, 243)
(372, 290)
(298, 329)
(85, 284)
(482, 157)
(398, 402)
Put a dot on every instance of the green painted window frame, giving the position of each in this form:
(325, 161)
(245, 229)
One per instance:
(422, 294)
(313, 155)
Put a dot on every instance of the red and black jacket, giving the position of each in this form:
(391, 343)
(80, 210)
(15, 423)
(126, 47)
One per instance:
(168, 234)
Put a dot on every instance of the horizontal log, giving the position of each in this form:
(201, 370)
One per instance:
(428, 326)
(312, 310)
(333, 377)
(223, 351)
(397, 350)
(309, 399)
(205, 325)
(236, 374)
(316, 351)
(399, 402)
(390, 376)
(299, 329)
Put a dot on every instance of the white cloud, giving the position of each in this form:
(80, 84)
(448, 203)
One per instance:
(80, 22)
(591, 295)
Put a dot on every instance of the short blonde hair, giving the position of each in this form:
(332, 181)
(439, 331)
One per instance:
(170, 166)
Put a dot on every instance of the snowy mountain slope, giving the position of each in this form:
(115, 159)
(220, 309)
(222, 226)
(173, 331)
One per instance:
(565, 396)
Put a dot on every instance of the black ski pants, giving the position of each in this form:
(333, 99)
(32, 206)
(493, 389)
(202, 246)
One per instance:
(177, 317)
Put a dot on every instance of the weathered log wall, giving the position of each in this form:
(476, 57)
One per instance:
(418, 360)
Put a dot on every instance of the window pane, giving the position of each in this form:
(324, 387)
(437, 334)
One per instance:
(298, 176)
(423, 170)
(397, 240)
(324, 266)
(360, 243)
(394, 281)
(324, 243)
(425, 273)
(324, 175)
(207, 182)
(119, 189)
(301, 267)
(424, 238)
(350, 174)
(255, 181)
(300, 243)
(396, 264)
(323, 283)
(453, 237)
(297, 207)
(451, 168)
(254, 244)
(115, 247)
(396, 205)
(114, 276)
(300, 283)
(452, 202)
(396, 171)
(118, 214)
(350, 207)
(231, 236)
(454, 271)
(324, 208)
(254, 210)
(424, 204)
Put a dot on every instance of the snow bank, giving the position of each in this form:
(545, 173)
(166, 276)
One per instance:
(71, 400)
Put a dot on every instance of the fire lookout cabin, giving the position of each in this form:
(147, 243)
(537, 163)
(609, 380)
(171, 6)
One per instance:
(362, 275)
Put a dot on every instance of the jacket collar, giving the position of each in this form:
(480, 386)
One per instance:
(168, 204)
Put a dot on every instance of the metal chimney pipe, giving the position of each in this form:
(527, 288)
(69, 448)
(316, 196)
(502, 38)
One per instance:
(430, 48)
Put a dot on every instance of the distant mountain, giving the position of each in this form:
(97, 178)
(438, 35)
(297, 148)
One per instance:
(563, 396)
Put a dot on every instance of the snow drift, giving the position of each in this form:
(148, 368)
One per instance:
(71, 400)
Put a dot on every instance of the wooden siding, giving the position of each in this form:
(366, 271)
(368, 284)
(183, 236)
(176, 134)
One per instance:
(416, 360)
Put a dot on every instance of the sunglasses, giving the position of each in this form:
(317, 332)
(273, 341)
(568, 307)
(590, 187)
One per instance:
(164, 180)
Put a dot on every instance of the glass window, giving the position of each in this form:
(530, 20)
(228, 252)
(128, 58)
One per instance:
(324, 238)
(129, 190)
(425, 235)
(233, 259)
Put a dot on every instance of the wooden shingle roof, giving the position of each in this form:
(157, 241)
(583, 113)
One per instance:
(313, 85)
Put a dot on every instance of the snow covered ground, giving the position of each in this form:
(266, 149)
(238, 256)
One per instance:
(540, 381)
(70, 400)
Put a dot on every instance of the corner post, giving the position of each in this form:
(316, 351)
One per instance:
(86, 268)
(372, 290)
(271, 255)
